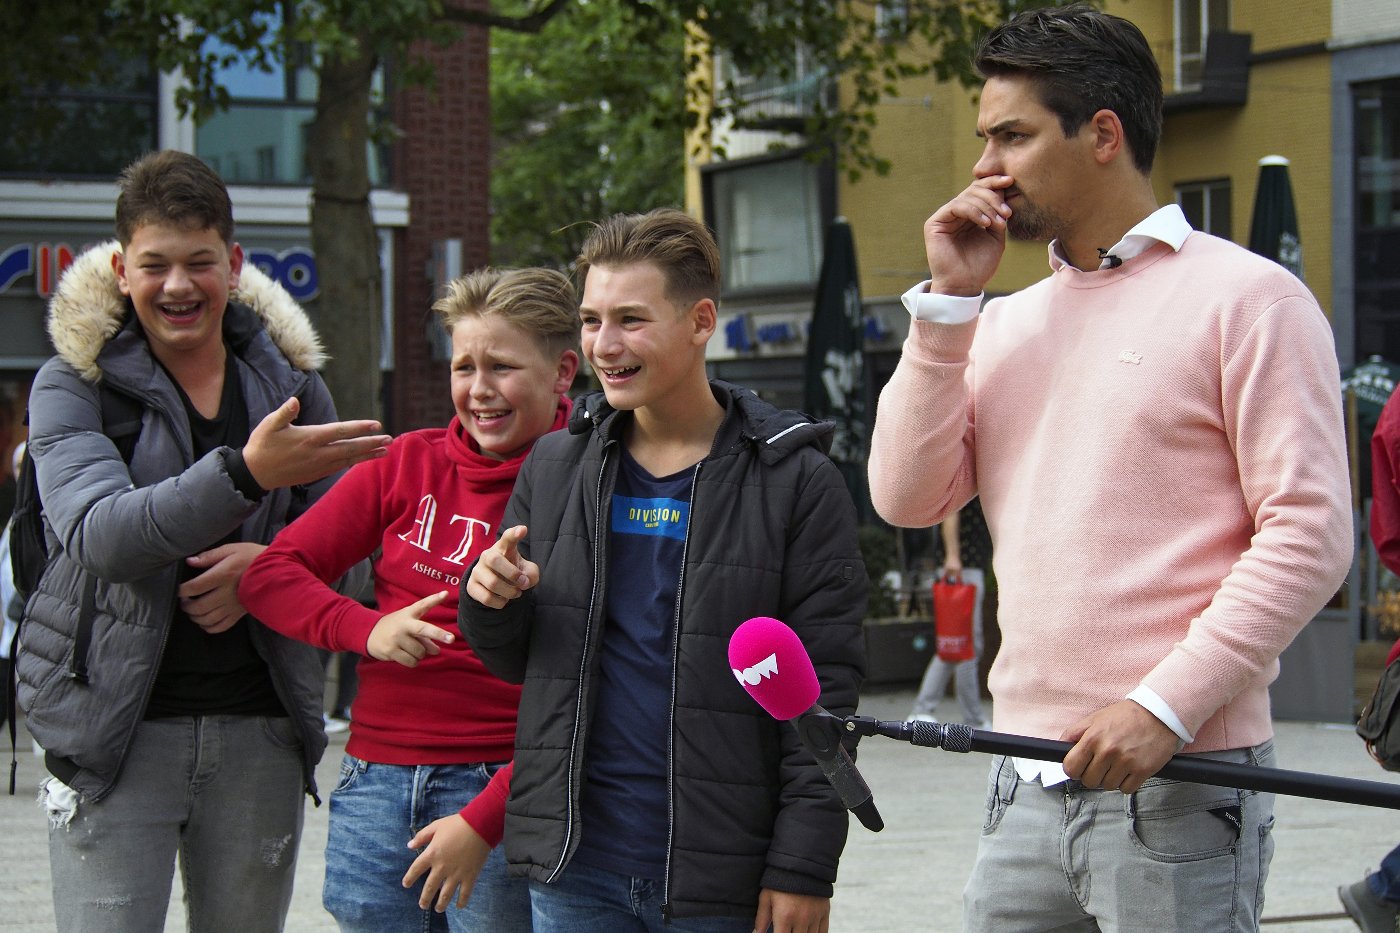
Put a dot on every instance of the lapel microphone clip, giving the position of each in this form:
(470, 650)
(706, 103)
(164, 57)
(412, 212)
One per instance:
(1113, 261)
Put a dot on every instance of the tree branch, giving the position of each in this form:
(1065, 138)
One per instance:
(530, 22)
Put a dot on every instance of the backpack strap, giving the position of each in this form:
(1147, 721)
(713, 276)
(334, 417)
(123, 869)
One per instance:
(11, 686)
(121, 422)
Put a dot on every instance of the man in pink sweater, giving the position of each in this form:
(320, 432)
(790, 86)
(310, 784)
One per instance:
(1155, 432)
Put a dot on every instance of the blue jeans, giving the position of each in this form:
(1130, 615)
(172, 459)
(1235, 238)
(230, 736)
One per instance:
(585, 899)
(225, 792)
(1385, 883)
(375, 810)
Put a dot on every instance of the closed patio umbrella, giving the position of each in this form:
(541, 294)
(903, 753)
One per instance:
(835, 365)
(1273, 232)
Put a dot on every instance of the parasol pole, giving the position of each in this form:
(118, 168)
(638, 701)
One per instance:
(1354, 449)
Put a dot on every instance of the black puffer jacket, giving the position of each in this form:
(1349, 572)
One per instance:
(772, 532)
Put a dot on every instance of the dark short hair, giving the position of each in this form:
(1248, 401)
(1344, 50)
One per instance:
(682, 247)
(170, 187)
(1081, 61)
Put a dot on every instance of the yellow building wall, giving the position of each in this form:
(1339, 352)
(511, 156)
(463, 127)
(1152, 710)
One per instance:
(923, 132)
(698, 148)
(1289, 114)
(1277, 25)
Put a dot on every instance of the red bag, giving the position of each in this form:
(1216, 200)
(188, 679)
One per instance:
(953, 603)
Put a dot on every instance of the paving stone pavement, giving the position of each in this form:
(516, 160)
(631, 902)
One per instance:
(908, 877)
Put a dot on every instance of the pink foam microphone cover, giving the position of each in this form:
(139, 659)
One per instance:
(770, 663)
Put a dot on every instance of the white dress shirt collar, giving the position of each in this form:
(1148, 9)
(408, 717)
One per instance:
(1164, 225)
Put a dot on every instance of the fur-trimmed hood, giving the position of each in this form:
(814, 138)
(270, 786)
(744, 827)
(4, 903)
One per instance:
(87, 310)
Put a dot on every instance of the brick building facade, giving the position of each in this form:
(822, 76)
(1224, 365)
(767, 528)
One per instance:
(443, 162)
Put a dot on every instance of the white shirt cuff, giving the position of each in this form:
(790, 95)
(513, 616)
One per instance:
(1148, 699)
(940, 309)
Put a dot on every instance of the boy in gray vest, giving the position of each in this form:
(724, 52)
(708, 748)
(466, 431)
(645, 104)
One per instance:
(172, 723)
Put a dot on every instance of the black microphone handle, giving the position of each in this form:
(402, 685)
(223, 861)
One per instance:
(955, 737)
(868, 815)
(820, 733)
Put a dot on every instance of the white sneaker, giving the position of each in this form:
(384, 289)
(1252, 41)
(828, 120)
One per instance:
(334, 726)
(922, 717)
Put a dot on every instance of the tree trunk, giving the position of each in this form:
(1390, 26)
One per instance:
(343, 235)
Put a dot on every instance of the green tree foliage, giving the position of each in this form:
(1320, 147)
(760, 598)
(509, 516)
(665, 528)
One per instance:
(584, 125)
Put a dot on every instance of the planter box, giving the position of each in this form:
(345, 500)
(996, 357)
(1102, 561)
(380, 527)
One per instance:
(897, 650)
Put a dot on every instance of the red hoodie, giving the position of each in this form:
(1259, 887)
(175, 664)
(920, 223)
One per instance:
(1385, 492)
(431, 506)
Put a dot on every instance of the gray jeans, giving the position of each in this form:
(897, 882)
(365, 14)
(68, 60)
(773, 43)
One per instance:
(1171, 857)
(224, 792)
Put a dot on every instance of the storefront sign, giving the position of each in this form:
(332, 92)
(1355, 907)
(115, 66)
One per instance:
(743, 334)
(294, 268)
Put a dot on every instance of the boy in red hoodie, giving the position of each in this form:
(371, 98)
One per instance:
(430, 725)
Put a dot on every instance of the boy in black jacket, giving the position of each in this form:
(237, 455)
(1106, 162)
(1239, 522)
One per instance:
(648, 787)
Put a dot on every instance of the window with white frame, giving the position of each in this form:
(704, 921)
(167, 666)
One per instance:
(1196, 20)
(1206, 205)
(260, 138)
(767, 219)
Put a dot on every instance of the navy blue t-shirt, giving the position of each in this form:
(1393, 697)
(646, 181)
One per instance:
(625, 809)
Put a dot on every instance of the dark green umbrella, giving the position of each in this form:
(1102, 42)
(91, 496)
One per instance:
(1371, 382)
(1274, 230)
(1365, 389)
(834, 379)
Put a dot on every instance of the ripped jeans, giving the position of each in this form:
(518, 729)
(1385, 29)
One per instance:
(223, 792)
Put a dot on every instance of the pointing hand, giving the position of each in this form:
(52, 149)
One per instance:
(502, 574)
(404, 637)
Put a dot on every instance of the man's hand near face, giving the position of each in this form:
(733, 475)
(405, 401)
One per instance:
(965, 238)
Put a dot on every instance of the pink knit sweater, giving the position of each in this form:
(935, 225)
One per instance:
(1160, 456)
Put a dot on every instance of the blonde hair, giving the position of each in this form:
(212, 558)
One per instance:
(541, 302)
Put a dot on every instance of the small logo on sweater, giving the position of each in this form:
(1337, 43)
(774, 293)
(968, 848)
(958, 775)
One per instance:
(1128, 356)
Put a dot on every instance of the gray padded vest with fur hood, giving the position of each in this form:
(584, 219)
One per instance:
(132, 527)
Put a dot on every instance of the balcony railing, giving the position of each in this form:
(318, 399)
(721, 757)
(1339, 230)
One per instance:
(1224, 75)
(781, 104)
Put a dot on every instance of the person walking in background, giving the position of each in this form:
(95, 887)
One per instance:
(1156, 438)
(952, 532)
(347, 681)
(1374, 901)
(431, 726)
(172, 723)
(649, 791)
